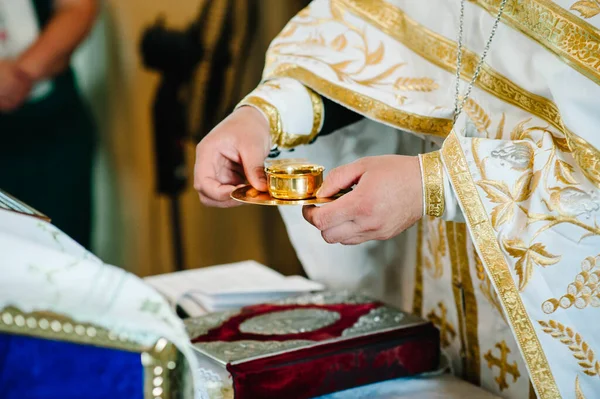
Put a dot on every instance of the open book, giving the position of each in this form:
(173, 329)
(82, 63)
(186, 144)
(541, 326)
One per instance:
(228, 286)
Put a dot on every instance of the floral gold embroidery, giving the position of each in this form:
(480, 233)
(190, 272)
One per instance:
(584, 291)
(585, 356)
(365, 105)
(587, 8)
(437, 247)
(477, 114)
(502, 363)
(565, 204)
(447, 330)
(433, 183)
(497, 268)
(485, 285)
(442, 52)
(586, 156)
(499, 193)
(415, 84)
(528, 256)
(354, 69)
(561, 32)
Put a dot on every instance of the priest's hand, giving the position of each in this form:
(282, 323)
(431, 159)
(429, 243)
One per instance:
(15, 86)
(386, 201)
(233, 153)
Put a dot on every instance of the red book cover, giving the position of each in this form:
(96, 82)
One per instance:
(312, 345)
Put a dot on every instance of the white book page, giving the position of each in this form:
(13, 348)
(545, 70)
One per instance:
(232, 285)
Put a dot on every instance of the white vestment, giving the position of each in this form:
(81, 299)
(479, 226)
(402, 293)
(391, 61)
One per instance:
(515, 288)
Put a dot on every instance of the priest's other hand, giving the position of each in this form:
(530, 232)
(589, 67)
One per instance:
(231, 154)
(386, 201)
(15, 86)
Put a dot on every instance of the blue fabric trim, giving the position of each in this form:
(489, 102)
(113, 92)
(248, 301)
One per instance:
(35, 368)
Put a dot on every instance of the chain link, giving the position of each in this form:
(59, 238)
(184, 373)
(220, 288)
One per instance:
(458, 101)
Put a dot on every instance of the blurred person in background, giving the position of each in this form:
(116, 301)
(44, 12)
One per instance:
(46, 131)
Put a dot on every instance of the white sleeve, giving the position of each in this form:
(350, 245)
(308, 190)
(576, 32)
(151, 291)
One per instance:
(294, 112)
(439, 198)
(452, 211)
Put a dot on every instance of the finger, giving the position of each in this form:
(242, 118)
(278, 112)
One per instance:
(218, 204)
(341, 178)
(342, 233)
(335, 213)
(359, 239)
(253, 160)
(214, 190)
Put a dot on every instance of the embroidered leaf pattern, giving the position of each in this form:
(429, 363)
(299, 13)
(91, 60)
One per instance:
(380, 78)
(523, 187)
(578, 391)
(339, 43)
(581, 351)
(415, 84)
(587, 8)
(336, 11)
(563, 172)
(376, 56)
(561, 143)
(519, 130)
(528, 257)
(289, 30)
(478, 115)
(500, 129)
(340, 68)
(498, 193)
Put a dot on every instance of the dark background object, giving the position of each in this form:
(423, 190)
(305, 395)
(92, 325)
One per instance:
(198, 65)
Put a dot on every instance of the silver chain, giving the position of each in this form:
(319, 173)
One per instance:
(458, 102)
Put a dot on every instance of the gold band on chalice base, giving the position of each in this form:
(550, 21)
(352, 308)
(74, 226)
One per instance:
(294, 182)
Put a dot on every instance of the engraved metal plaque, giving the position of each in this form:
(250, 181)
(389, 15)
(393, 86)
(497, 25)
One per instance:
(289, 322)
(376, 320)
(197, 326)
(241, 350)
(326, 298)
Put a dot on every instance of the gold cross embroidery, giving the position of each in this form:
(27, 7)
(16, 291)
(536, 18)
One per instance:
(447, 331)
(502, 364)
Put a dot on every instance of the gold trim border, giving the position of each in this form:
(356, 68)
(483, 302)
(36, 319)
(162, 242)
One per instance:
(472, 352)
(433, 181)
(457, 290)
(497, 268)
(279, 137)
(417, 306)
(441, 52)
(318, 109)
(365, 105)
(159, 361)
(270, 112)
(574, 41)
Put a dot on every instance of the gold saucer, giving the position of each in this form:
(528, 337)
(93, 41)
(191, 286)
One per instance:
(249, 195)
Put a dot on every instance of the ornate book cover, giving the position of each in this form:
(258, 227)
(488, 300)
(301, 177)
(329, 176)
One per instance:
(307, 346)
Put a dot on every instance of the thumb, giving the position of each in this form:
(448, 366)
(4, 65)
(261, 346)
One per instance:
(253, 161)
(341, 178)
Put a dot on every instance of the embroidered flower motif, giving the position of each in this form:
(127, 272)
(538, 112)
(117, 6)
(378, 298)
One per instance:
(518, 155)
(528, 257)
(572, 201)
